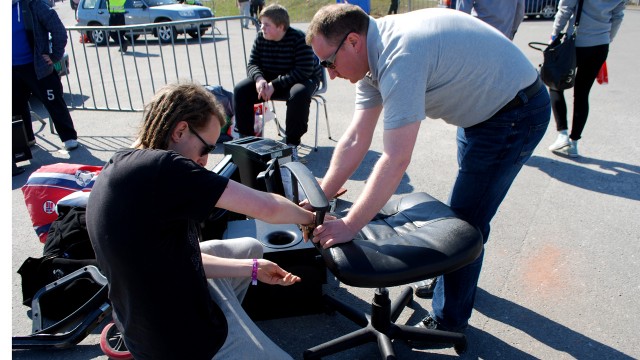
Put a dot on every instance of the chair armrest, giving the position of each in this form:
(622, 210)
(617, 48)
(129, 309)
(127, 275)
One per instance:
(301, 175)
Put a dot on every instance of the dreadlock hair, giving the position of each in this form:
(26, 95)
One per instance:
(173, 103)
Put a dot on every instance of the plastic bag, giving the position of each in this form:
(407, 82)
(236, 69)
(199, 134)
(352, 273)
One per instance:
(603, 75)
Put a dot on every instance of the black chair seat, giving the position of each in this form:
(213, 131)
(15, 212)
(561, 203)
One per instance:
(413, 238)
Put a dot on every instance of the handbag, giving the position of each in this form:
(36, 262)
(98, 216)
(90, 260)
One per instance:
(558, 69)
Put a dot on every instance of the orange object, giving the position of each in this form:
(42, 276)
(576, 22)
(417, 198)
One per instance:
(603, 75)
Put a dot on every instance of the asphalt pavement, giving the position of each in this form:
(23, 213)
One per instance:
(561, 269)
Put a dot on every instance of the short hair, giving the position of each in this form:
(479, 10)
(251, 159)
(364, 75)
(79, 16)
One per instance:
(276, 13)
(334, 21)
(173, 103)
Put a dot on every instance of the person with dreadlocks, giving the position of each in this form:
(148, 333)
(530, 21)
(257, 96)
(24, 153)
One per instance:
(175, 296)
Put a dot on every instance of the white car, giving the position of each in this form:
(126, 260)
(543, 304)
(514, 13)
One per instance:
(95, 13)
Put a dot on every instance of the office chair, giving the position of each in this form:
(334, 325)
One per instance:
(412, 238)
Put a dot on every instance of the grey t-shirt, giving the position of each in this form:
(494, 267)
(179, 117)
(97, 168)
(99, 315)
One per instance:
(443, 64)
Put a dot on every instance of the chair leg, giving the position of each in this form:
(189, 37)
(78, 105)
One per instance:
(315, 144)
(381, 328)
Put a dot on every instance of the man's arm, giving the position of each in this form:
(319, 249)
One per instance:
(383, 182)
(272, 208)
(268, 272)
(350, 150)
(52, 23)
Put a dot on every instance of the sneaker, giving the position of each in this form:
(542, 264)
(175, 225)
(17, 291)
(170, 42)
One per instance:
(71, 144)
(561, 142)
(428, 322)
(572, 149)
(424, 289)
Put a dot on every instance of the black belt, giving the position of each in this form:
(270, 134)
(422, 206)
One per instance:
(529, 92)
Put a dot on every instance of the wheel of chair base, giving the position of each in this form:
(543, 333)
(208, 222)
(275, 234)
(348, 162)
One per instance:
(112, 343)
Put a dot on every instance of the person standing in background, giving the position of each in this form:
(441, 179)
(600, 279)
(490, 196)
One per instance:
(245, 7)
(38, 42)
(116, 18)
(256, 8)
(393, 7)
(599, 24)
(506, 16)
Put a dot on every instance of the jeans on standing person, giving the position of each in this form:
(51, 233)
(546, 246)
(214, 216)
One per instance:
(490, 155)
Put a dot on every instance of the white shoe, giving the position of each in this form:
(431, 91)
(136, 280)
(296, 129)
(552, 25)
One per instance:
(572, 149)
(71, 144)
(561, 142)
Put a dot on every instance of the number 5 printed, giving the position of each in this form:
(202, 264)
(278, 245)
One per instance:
(50, 95)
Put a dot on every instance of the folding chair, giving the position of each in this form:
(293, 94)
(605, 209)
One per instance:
(318, 99)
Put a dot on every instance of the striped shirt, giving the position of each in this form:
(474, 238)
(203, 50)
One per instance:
(284, 63)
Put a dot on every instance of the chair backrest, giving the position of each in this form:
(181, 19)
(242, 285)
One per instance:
(322, 87)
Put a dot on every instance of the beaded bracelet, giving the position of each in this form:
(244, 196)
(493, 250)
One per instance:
(254, 273)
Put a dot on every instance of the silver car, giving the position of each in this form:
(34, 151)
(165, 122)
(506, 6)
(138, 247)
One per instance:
(95, 13)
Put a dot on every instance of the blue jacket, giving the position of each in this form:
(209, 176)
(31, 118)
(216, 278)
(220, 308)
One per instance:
(40, 20)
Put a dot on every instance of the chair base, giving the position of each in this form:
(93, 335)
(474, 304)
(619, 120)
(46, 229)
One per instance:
(380, 327)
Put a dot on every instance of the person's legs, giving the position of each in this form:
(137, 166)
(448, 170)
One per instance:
(21, 92)
(559, 107)
(589, 61)
(490, 155)
(118, 36)
(244, 339)
(245, 11)
(50, 93)
(298, 104)
(244, 97)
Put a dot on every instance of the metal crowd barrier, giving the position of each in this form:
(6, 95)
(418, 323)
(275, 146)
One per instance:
(102, 78)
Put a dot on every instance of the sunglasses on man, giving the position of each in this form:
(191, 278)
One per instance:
(208, 148)
(330, 61)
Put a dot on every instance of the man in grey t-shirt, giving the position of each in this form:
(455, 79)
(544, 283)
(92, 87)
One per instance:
(439, 64)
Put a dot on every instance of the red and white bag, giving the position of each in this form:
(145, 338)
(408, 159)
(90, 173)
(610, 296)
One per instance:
(51, 183)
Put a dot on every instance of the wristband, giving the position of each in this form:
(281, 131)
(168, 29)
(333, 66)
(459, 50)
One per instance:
(254, 273)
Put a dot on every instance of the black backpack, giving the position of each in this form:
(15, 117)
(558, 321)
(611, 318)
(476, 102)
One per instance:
(66, 250)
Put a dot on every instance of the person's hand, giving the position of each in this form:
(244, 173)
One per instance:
(47, 59)
(307, 230)
(260, 84)
(272, 274)
(333, 232)
(266, 92)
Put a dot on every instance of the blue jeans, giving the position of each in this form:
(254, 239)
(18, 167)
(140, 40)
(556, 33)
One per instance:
(490, 155)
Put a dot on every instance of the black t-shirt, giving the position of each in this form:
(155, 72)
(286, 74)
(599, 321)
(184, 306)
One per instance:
(142, 218)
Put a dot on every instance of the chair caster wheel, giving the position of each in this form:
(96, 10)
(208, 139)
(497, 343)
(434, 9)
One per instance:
(112, 343)
(461, 348)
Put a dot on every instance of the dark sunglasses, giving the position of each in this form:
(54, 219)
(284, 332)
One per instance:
(208, 148)
(329, 63)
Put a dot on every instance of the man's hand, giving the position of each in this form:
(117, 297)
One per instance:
(47, 59)
(307, 230)
(333, 232)
(272, 274)
(266, 92)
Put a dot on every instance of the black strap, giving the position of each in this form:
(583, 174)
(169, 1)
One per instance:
(578, 13)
